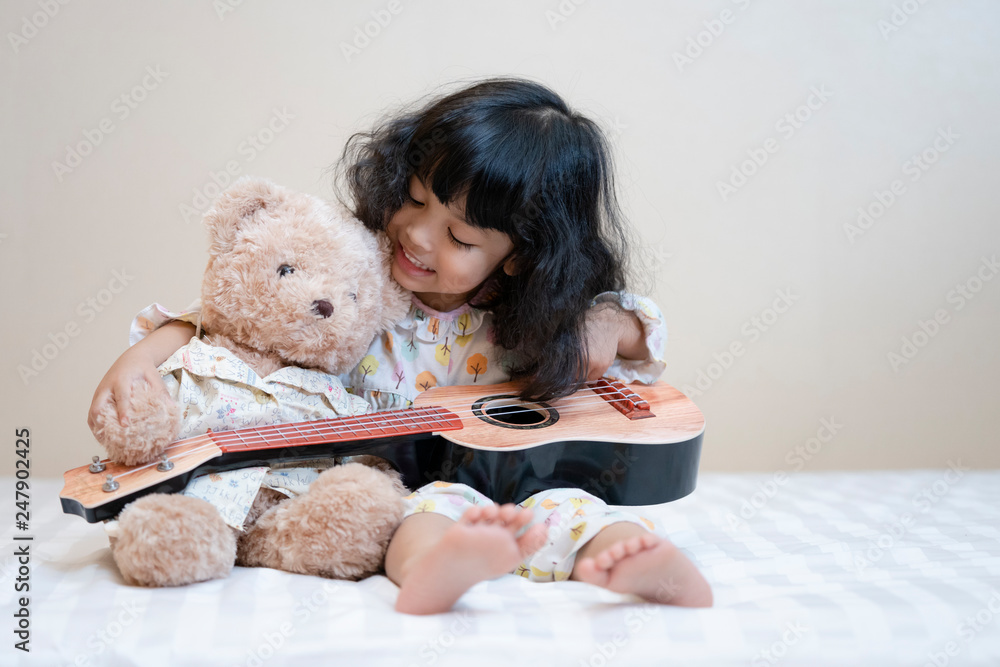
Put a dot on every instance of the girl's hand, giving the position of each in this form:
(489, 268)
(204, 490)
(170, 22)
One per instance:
(116, 385)
(138, 363)
(612, 332)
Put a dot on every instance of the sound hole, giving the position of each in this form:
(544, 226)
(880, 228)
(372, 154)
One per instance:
(507, 411)
(515, 414)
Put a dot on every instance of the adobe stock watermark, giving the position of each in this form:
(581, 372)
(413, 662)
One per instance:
(697, 44)
(271, 642)
(99, 641)
(635, 621)
(31, 25)
(224, 7)
(796, 457)
(87, 310)
(914, 168)
(421, 149)
(923, 501)
(751, 331)
(960, 295)
(248, 149)
(120, 109)
(653, 258)
(563, 11)
(967, 630)
(437, 646)
(899, 17)
(364, 34)
(775, 653)
(786, 127)
(617, 128)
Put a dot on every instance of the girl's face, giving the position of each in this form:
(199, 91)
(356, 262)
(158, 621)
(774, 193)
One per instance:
(436, 254)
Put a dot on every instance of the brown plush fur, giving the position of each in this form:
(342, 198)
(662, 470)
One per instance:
(322, 314)
(340, 529)
(146, 436)
(169, 540)
(256, 227)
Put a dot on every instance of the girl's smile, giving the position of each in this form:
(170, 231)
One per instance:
(437, 254)
(411, 264)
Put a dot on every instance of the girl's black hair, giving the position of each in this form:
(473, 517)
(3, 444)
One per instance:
(531, 168)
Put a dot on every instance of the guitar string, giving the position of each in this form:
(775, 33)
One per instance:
(283, 430)
(232, 437)
(388, 416)
(462, 409)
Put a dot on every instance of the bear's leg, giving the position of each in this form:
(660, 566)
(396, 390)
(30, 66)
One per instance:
(339, 529)
(172, 540)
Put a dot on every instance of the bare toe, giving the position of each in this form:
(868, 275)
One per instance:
(650, 567)
(472, 515)
(509, 513)
(489, 514)
(587, 571)
(532, 540)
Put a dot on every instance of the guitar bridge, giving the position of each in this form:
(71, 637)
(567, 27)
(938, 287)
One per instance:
(621, 398)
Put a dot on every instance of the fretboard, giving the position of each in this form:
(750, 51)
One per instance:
(410, 421)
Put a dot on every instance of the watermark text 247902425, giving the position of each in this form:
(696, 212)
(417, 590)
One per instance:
(22, 549)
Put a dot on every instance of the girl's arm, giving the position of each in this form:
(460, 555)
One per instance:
(139, 362)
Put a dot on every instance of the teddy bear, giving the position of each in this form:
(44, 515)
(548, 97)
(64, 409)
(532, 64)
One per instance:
(293, 294)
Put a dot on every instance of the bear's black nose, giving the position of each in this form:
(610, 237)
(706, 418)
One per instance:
(323, 308)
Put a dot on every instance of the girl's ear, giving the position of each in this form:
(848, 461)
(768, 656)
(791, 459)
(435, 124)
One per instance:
(510, 265)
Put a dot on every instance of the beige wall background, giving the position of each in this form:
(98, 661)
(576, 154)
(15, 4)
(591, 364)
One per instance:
(749, 134)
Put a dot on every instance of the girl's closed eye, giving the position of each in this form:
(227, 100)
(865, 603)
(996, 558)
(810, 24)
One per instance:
(460, 244)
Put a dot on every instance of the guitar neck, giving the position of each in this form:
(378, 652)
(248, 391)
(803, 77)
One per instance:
(411, 421)
(96, 492)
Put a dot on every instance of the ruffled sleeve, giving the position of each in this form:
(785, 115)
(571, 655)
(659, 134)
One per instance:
(154, 316)
(650, 369)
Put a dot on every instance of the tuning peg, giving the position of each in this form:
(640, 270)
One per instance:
(96, 466)
(165, 464)
(110, 484)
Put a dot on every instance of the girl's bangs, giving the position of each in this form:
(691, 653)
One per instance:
(493, 168)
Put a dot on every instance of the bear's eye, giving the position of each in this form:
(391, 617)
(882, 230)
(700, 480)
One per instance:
(354, 297)
(285, 270)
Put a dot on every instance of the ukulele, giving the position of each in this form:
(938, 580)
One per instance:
(626, 444)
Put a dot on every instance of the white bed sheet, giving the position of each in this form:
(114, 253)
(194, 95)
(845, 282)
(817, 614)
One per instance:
(865, 568)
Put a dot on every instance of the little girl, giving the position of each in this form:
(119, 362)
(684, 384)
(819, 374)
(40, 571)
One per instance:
(500, 205)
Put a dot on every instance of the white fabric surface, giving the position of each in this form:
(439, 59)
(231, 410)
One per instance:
(797, 576)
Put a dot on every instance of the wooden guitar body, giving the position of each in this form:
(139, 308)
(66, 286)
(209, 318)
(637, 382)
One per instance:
(580, 441)
(628, 445)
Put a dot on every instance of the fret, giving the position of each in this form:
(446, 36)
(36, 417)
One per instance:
(243, 441)
(343, 429)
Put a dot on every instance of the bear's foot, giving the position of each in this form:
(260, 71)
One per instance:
(172, 540)
(339, 529)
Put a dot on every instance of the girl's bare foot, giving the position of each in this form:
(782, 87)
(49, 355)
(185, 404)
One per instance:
(479, 546)
(650, 567)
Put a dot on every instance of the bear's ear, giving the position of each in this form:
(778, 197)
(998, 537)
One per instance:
(236, 208)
